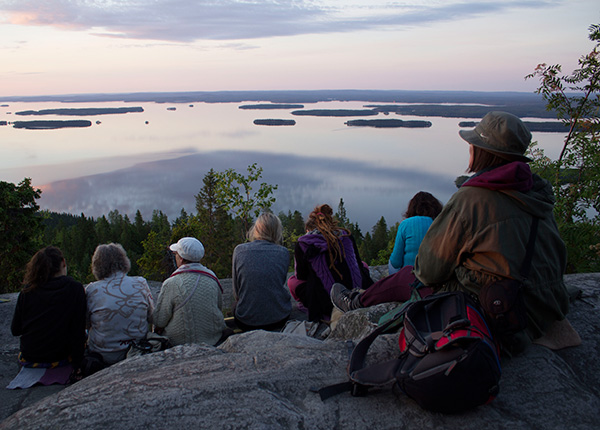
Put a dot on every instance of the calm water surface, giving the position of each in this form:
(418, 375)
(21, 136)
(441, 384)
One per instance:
(124, 163)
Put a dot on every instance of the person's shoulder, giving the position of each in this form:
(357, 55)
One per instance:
(72, 282)
(468, 196)
(172, 280)
(138, 279)
(139, 282)
(244, 246)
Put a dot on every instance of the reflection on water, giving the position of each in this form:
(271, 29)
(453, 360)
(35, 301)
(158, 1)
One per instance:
(124, 163)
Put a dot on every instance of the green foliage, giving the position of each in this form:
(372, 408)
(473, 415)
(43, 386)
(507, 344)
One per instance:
(293, 227)
(155, 262)
(78, 236)
(233, 191)
(374, 247)
(20, 231)
(341, 215)
(343, 221)
(575, 175)
(293, 224)
(384, 254)
(214, 227)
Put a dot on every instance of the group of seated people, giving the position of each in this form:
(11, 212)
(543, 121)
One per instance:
(478, 237)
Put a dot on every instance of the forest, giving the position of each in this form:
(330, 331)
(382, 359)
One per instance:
(220, 222)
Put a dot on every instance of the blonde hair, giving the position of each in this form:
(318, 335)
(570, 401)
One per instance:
(109, 259)
(267, 227)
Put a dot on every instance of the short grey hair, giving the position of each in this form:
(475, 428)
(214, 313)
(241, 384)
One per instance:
(109, 259)
(267, 227)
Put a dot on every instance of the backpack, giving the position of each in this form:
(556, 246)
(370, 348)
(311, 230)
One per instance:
(448, 359)
(153, 342)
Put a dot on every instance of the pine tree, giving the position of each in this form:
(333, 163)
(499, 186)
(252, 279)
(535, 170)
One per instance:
(20, 231)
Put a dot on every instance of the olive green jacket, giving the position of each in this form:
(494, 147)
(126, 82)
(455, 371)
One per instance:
(481, 236)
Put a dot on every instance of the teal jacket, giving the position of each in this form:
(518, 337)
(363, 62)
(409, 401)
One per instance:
(410, 234)
(481, 234)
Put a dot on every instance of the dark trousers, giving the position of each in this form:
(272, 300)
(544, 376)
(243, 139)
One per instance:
(277, 326)
(393, 288)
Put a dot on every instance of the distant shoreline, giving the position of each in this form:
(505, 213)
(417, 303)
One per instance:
(422, 103)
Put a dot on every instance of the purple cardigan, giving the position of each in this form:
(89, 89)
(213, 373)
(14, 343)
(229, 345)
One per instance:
(319, 261)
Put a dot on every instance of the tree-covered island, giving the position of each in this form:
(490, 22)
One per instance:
(274, 122)
(387, 123)
(51, 125)
(81, 111)
(521, 110)
(336, 112)
(265, 106)
(547, 127)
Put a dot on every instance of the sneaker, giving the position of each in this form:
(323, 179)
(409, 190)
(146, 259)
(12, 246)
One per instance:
(344, 299)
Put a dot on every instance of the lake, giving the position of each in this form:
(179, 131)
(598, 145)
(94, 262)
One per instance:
(156, 159)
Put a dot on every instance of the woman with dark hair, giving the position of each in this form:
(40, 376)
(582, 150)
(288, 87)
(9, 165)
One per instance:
(50, 318)
(119, 306)
(259, 271)
(422, 210)
(326, 254)
(482, 233)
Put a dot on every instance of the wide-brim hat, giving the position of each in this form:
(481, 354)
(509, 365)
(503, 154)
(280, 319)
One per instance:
(500, 133)
(189, 248)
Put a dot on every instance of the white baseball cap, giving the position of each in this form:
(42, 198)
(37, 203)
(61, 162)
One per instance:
(189, 248)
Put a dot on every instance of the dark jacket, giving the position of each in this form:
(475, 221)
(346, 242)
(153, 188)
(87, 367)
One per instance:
(51, 321)
(481, 235)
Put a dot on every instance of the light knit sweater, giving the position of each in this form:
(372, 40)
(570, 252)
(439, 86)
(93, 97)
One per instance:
(199, 319)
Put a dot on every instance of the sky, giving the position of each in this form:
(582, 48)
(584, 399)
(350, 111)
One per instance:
(109, 46)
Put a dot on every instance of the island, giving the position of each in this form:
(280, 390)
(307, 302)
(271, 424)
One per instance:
(544, 127)
(3, 122)
(81, 111)
(387, 123)
(336, 112)
(274, 122)
(51, 125)
(463, 110)
(271, 106)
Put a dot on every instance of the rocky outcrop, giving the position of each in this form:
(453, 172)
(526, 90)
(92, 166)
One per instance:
(263, 380)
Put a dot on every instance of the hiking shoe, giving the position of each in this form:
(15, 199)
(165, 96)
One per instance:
(344, 299)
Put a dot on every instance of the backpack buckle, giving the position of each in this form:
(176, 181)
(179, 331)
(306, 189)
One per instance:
(359, 390)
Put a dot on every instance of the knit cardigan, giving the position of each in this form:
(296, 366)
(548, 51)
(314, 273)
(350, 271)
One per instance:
(199, 319)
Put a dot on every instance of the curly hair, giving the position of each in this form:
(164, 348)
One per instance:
(109, 259)
(423, 204)
(267, 227)
(45, 264)
(321, 219)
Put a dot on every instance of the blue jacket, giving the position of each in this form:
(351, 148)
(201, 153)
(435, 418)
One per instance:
(411, 232)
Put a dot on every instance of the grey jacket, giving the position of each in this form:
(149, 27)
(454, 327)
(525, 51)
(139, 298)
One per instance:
(259, 271)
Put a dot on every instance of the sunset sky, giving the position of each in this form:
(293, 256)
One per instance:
(105, 46)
